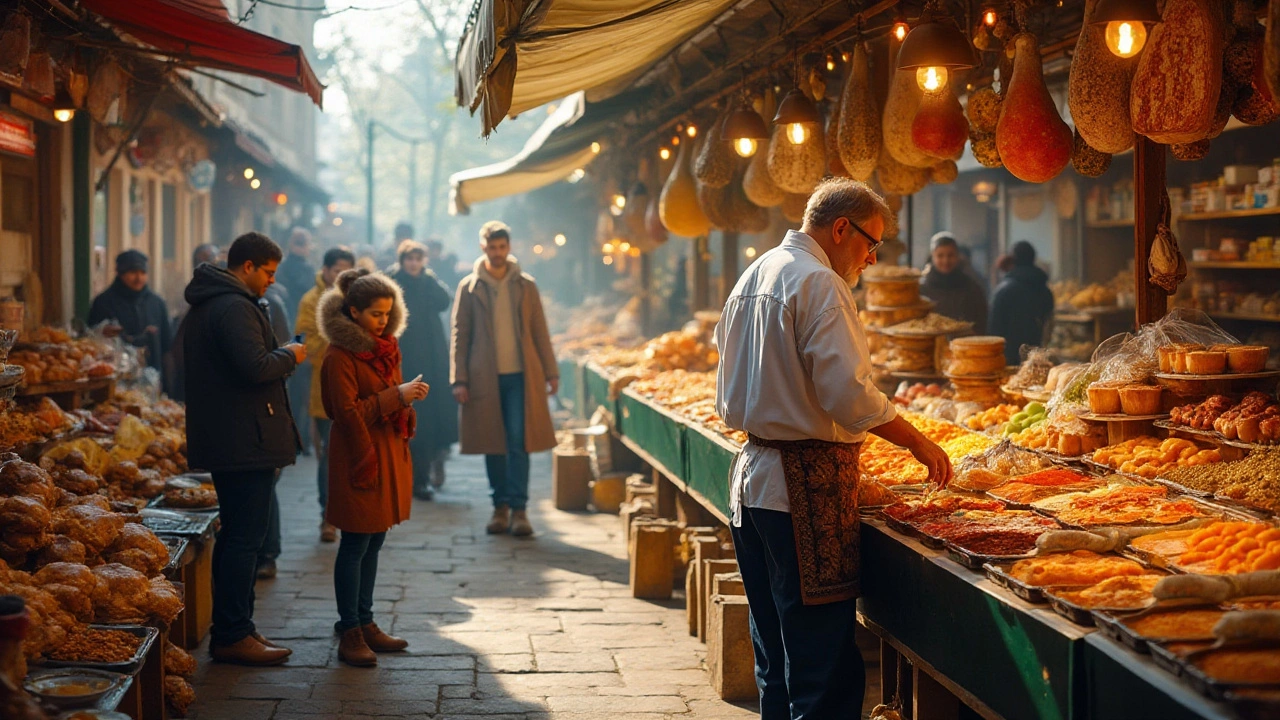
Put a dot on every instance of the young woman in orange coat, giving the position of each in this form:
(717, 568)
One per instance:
(370, 469)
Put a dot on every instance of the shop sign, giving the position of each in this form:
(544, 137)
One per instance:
(201, 175)
(17, 136)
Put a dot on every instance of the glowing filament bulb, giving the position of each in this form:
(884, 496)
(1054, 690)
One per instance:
(931, 79)
(900, 31)
(745, 147)
(1125, 39)
(989, 18)
(797, 133)
(664, 153)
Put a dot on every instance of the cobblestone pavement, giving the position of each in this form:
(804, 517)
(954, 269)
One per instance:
(499, 627)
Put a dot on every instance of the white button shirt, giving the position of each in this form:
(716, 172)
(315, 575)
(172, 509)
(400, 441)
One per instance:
(794, 365)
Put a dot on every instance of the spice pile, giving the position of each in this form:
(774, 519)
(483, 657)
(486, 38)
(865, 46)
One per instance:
(1254, 480)
(97, 645)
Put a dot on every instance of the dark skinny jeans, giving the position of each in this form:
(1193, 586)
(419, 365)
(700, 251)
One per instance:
(354, 574)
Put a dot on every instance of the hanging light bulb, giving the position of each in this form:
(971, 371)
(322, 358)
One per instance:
(798, 113)
(1126, 24)
(624, 246)
(595, 148)
(255, 183)
(746, 147)
(900, 30)
(691, 131)
(750, 252)
(797, 133)
(989, 17)
(607, 248)
(577, 175)
(932, 78)
(745, 129)
(831, 63)
(664, 153)
(620, 201)
(675, 139)
(1125, 39)
(561, 240)
(608, 260)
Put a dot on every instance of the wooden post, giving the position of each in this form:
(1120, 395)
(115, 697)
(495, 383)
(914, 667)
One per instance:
(646, 294)
(728, 264)
(1148, 192)
(700, 298)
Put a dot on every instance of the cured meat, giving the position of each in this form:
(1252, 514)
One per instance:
(860, 135)
(900, 179)
(1271, 52)
(939, 128)
(1033, 141)
(1255, 104)
(1175, 91)
(1098, 90)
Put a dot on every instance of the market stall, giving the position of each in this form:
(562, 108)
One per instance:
(104, 534)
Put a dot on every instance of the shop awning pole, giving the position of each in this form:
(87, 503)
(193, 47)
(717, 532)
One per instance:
(81, 212)
(1150, 302)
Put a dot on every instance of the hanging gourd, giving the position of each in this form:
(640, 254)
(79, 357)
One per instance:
(678, 204)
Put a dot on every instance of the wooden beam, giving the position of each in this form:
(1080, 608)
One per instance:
(1148, 193)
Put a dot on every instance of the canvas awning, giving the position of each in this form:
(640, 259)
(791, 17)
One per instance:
(199, 32)
(519, 54)
(570, 139)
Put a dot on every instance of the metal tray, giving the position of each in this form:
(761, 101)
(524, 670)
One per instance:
(159, 502)
(177, 548)
(1078, 614)
(1217, 689)
(999, 576)
(128, 667)
(1212, 436)
(1171, 662)
(1253, 708)
(173, 522)
(1113, 626)
(976, 561)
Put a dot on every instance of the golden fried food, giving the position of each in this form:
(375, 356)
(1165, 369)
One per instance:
(1122, 592)
(138, 547)
(1251, 665)
(178, 661)
(1075, 568)
(25, 525)
(163, 601)
(121, 594)
(23, 479)
(194, 498)
(992, 417)
(1151, 457)
(75, 480)
(178, 695)
(1230, 548)
(1121, 505)
(88, 524)
(1192, 624)
(98, 645)
(62, 550)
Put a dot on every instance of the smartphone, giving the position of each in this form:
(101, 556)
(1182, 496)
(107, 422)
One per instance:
(299, 338)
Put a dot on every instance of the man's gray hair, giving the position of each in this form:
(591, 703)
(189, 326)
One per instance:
(839, 197)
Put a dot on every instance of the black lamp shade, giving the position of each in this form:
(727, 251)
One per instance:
(1139, 11)
(796, 108)
(745, 123)
(938, 43)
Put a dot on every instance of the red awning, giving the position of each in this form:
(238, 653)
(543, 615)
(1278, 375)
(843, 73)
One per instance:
(201, 33)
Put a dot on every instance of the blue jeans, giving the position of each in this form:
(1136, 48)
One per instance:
(808, 666)
(245, 499)
(271, 546)
(354, 573)
(322, 460)
(299, 387)
(509, 473)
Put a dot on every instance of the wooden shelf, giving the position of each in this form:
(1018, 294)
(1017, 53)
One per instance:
(1244, 316)
(1232, 265)
(1228, 214)
(1110, 223)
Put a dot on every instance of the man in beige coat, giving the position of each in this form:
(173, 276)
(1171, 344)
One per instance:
(502, 370)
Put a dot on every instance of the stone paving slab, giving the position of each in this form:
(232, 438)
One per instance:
(500, 628)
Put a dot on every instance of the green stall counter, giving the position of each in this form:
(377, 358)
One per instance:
(595, 391)
(1124, 685)
(656, 432)
(571, 390)
(708, 458)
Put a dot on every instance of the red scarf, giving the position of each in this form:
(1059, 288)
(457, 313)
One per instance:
(385, 360)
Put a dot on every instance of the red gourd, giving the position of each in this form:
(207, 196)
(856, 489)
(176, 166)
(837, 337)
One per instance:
(1033, 140)
(939, 127)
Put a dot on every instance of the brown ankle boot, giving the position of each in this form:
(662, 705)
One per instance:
(500, 521)
(353, 650)
(381, 642)
(520, 526)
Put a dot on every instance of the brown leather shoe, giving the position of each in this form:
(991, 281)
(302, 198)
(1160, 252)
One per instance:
(520, 526)
(328, 533)
(353, 650)
(500, 522)
(379, 641)
(249, 651)
(258, 636)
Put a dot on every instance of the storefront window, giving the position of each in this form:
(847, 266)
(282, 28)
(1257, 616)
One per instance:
(15, 216)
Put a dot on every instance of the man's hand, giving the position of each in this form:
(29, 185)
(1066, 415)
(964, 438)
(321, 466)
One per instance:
(553, 385)
(934, 458)
(299, 351)
(413, 391)
(461, 394)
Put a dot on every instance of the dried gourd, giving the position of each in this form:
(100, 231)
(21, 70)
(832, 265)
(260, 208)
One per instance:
(1098, 89)
(899, 111)
(944, 172)
(1174, 95)
(758, 184)
(654, 229)
(983, 110)
(1034, 142)
(678, 204)
(898, 178)
(742, 214)
(714, 202)
(984, 149)
(633, 214)
(716, 158)
(835, 167)
(939, 127)
(797, 168)
(1087, 160)
(860, 134)
(793, 206)
(1254, 103)
(1190, 151)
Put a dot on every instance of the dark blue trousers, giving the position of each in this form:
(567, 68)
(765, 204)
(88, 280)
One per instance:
(808, 666)
(246, 501)
(355, 572)
(509, 473)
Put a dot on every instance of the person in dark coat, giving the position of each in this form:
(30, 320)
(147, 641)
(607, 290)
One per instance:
(296, 276)
(1022, 305)
(239, 428)
(140, 314)
(946, 283)
(206, 253)
(425, 350)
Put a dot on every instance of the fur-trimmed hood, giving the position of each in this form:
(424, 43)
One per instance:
(341, 331)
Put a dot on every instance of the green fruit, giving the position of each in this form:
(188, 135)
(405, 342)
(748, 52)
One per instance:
(1034, 408)
(1018, 418)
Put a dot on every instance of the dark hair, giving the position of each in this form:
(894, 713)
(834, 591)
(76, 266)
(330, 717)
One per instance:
(360, 287)
(335, 255)
(435, 244)
(495, 230)
(409, 247)
(943, 239)
(205, 249)
(1023, 253)
(403, 231)
(253, 247)
(299, 237)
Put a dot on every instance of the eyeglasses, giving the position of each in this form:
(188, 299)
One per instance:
(872, 243)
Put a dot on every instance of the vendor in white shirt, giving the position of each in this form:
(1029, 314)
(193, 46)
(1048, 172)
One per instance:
(795, 374)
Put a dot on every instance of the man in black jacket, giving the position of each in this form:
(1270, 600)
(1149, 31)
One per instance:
(296, 276)
(141, 314)
(239, 428)
(1022, 306)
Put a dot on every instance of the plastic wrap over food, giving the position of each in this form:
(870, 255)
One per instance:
(995, 466)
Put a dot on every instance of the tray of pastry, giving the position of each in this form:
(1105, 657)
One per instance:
(1254, 703)
(1209, 548)
(1221, 668)
(1160, 624)
(1170, 655)
(1210, 435)
(173, 522)
(976, 561)
(1029, 578)
(1120, 594)
(1122, 505)
(118, 648)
